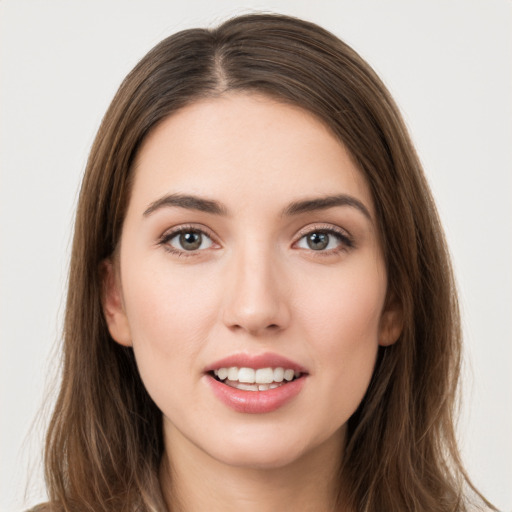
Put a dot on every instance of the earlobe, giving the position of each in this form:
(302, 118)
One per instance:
(112, 303)
(391, 323)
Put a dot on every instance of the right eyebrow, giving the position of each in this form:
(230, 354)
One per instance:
(189, 202)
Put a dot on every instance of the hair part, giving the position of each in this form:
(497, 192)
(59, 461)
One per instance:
(105, 443)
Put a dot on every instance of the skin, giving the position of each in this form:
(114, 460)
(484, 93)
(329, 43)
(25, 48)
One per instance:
(256, 287)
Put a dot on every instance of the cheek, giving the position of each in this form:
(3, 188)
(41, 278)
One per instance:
(169, 317)
(344, 308)
(342, 326)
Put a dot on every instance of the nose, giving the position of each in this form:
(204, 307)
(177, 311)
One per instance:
(255, 296)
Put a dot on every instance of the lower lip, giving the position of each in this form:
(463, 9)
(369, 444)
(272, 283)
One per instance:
(256, 402)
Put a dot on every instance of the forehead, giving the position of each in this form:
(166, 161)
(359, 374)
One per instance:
(243, 147)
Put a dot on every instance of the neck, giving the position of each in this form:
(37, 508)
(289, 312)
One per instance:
(192, 481)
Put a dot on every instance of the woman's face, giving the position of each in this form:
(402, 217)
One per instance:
(250, 242)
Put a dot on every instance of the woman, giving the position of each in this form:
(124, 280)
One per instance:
(261, 311)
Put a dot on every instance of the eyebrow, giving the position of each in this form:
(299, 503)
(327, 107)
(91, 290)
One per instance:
(189, 202)
(323, 203)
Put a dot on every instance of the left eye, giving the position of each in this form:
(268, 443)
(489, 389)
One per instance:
(320, 241)
(190, 240)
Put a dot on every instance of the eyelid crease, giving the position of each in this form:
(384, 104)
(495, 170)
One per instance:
(183, 228)
(325, 228)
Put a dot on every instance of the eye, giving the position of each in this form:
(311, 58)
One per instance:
(324, 240)
(187, 240)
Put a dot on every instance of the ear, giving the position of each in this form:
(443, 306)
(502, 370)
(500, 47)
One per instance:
(112, 302)
(391, 322)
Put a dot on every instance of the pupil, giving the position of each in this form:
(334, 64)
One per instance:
(318, 241)
(190, 241)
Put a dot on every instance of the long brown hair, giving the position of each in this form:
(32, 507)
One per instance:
(104, 443)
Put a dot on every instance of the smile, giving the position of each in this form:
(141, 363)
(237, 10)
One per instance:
(261, 379)
(256, 384)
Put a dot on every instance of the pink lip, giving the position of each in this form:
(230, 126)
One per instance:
(267, 360)
(256, 402)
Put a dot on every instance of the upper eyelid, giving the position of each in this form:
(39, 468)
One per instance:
(311, 228)
(180, 228)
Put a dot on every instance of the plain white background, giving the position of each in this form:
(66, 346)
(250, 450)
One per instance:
(447, 63)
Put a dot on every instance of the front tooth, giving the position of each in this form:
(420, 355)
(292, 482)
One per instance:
(233, 373)
(246, 375)
(246, 387)
(264, 376)
(222, 373)
(278, 375)
(289, 374)
(263, 387)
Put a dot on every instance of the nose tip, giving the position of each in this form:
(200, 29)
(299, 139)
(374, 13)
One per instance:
(256, 303)
(254, 320)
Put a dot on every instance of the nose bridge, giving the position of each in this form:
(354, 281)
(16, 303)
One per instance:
(255, 302)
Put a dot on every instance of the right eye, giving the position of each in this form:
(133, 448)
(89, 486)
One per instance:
(187, 240)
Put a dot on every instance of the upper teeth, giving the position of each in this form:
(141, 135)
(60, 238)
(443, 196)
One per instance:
(259, 376)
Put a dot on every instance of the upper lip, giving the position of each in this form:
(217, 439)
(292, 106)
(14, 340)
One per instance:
(266, 360)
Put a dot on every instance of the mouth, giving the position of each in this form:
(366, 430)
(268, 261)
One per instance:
(256, 383)
(251, 379)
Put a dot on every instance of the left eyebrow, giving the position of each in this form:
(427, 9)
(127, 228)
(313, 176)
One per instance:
(323, 203)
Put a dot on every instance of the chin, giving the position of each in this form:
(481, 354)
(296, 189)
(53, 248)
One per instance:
(269, 449)
(259, 458)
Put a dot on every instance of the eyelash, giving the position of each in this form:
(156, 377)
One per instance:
(345, 240)
(169, 235)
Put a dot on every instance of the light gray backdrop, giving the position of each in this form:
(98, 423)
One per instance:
(448, 64)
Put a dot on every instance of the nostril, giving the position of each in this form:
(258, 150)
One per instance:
(268, 328)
